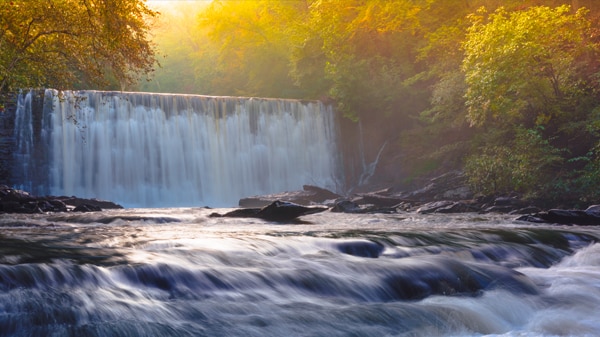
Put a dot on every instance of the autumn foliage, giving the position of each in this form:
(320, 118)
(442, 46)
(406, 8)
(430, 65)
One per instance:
(74, 43)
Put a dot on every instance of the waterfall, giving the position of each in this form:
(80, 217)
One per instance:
(162, 150)
(24, 162)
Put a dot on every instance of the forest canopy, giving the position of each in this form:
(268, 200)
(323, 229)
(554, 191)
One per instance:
(506, 90)
(74, 43)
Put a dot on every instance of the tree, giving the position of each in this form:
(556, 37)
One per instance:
(520, 66)
(71, 43)
(368, 51)
(184, 49)
(253, 43)
(531, 84)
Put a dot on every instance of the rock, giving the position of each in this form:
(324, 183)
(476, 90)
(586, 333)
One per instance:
(508, 201)
(279, 211)
(449, 186)
(319, 194)
(95, 203)
(526, 210)
(530, 218)
(589, 217)
(445, 206)
(309, 195)
(11, 194)
(593, 209)
(431, 207)
(457, 207)
(87, 208)
(17, 201)
(283, 211)
(361, 248)
(346, 206)
(571, 217)
(379, 200)
(499, 209)
(54, 205)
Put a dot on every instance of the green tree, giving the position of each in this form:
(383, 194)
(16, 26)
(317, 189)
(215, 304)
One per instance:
(521, 66)
(531, 90)
(526, 165)
(187, 56)
(368, 51)
(68, 43)
(253, 45)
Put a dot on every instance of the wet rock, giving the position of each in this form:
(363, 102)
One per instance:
(530, 218)
(593, 208)
(431, 207)
(87, 208)
(91, 203)
(361, 248)
(508, 201)
(378, 199)
(450, 186)
(446, 206)
(10, 194)
(526, 210)
(571, 217)
(279, 211)
(18, 201)
(309, 195)
(499, 209)
(32, 206)
(588, 217)
(346, 206)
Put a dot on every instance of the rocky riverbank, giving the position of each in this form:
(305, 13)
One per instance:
(17, 201)
(448, 193)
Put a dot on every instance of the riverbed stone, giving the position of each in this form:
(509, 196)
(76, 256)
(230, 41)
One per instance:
(309, 195)
(278, 211)
(19, 201)
(588, 217)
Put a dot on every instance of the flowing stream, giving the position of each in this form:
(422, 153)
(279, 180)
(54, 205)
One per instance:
(179, 272)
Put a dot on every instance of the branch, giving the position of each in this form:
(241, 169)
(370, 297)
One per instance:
(41, 34)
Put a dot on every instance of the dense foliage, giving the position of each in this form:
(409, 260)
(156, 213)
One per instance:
(71, 43)
(506, 90)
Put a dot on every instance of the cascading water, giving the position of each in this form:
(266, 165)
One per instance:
(180, 272)
(24, 136)
(160, 150)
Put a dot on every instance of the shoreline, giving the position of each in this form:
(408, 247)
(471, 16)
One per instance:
(13, 201)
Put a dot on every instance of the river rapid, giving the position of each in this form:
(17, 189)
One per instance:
(179, 272)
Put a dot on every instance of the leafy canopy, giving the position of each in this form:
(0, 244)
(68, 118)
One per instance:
(66, 43)
(519, 65)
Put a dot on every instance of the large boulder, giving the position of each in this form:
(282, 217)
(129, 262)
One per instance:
(349, 206)
(279, 211)
(309, 195)
(588, 217)
(450, 186)
(346, 206)
(571, 217)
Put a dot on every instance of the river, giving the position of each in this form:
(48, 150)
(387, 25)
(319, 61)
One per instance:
(179, 272)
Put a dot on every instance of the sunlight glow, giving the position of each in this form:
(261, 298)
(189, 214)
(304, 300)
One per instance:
(159, 4)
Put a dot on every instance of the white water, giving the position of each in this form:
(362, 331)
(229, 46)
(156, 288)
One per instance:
(154, 150)
(179, 272)
(24, 141)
